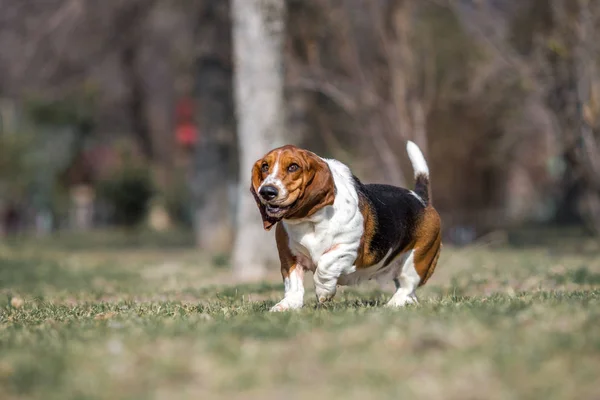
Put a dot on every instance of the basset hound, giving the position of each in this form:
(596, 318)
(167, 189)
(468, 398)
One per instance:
(344, 231)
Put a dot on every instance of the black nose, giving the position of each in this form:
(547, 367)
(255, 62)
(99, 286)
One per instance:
(268, 192)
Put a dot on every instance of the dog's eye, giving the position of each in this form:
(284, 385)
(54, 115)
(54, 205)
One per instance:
(265, 167)
(293, 168)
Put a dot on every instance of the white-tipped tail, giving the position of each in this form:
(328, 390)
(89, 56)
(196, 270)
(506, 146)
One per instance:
(416, 158)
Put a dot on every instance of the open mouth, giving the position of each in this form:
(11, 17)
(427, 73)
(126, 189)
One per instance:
(275, 211)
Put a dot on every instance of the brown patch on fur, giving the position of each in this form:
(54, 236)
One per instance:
(287, 259)
(428, 244)
(422, 188)
(365, 257)
(310, 187)
(318, 190)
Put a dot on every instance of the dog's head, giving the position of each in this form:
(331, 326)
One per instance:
(291, 183)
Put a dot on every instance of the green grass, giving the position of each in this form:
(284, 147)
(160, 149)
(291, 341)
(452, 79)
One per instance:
(140, 321)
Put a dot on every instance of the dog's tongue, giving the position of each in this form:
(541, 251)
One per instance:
(273, 208)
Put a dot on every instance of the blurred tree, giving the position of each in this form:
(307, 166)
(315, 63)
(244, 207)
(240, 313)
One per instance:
(70, 44)
(258, 37)
(130, 23)
(552, 47)
(215, 170)
(573, 58)
(503, 91)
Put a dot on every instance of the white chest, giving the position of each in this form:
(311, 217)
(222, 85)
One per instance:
(310, 239)
(334, 230)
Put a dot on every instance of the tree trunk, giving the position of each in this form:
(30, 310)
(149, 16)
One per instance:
(258, 37)
(215, 167)
(137, 101)
(586, 55)
(213, 220)
(572, 101)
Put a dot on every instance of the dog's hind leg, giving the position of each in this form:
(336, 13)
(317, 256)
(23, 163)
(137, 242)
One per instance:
(406, 283)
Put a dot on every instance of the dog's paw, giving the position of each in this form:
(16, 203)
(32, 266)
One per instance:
(402, 300)
(287, 304)
(324, 295)
(325, 286)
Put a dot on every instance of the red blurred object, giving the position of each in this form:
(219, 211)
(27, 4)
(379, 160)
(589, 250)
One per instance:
(186, 132)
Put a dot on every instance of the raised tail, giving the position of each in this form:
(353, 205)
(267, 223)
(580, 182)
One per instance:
(421, 172)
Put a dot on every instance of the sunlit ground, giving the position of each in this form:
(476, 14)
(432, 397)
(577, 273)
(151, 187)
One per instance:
(108, 316)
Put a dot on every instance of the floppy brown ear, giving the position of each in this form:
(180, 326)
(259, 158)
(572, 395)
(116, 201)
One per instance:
(268, 221)
(319, 190)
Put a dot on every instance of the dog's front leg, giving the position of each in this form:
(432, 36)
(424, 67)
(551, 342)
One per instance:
(292, 272)
(293, 281)
(331, 265)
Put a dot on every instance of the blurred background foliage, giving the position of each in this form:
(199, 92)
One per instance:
(503, 96)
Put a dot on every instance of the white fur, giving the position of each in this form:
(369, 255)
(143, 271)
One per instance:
(417, 160)
(406, 284)
(328, 240)
(294, 291)
(377, 271)
(354, 276)
(418, 198)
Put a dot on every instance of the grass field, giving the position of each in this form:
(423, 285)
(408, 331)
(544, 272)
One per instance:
(107, 317)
